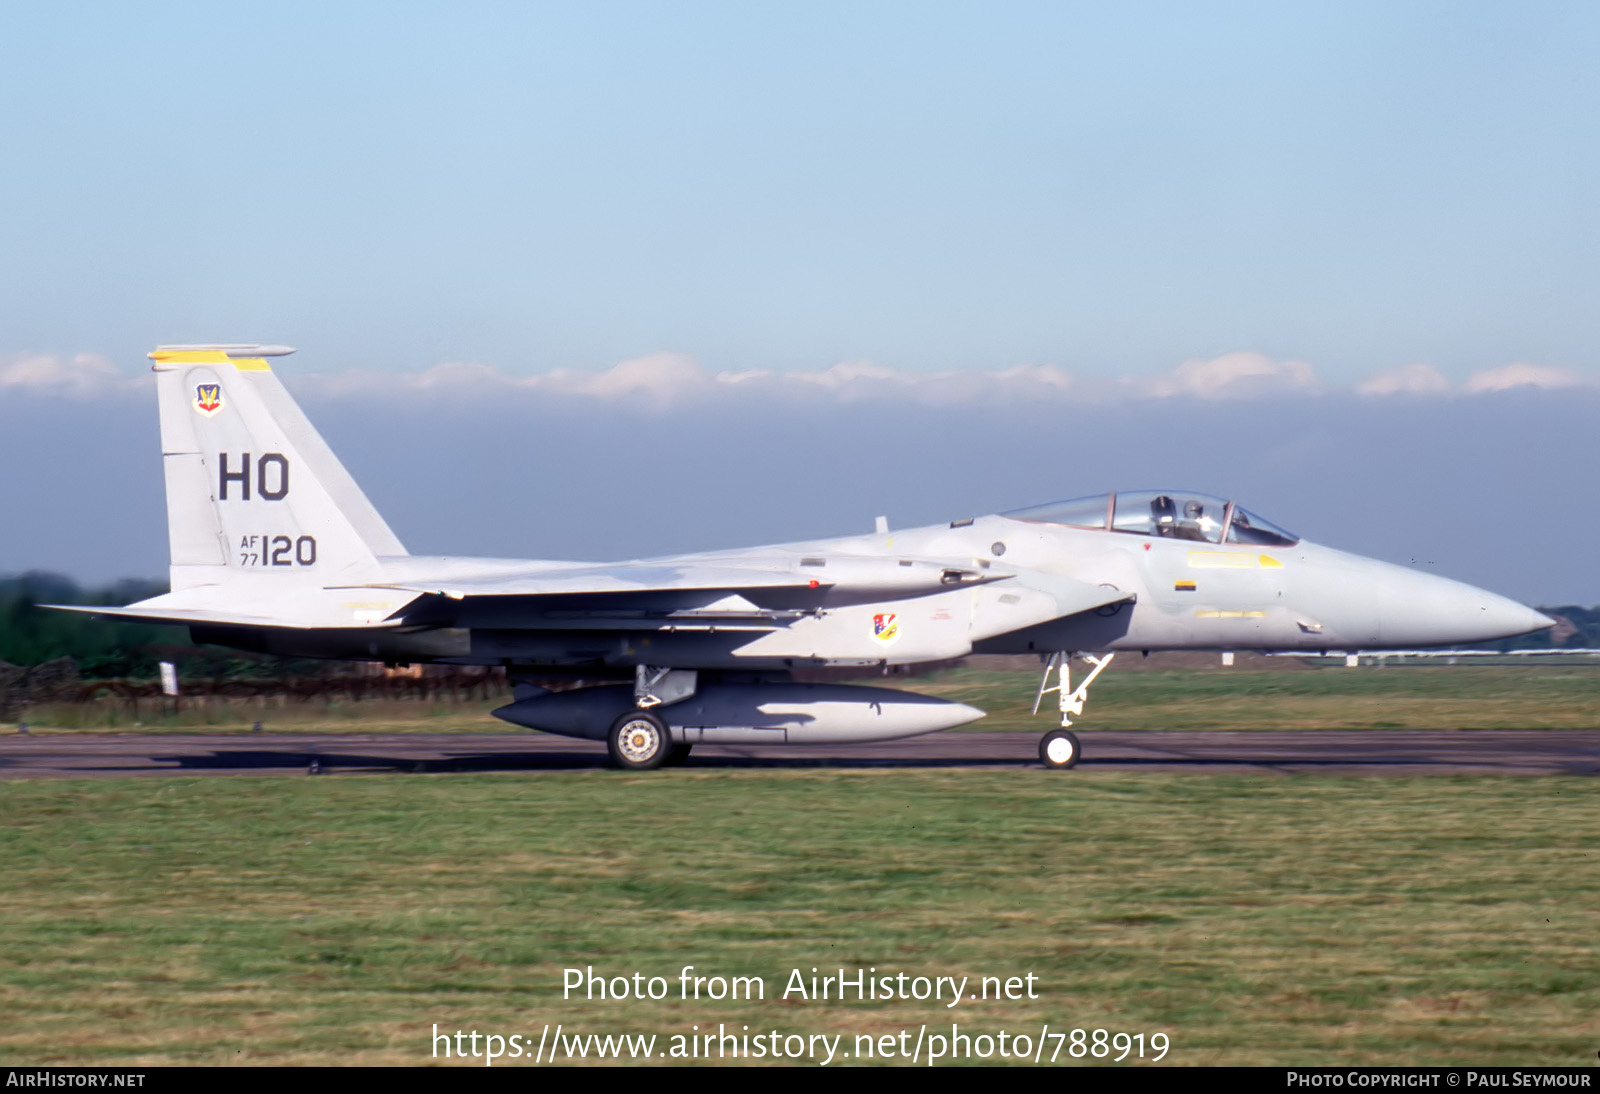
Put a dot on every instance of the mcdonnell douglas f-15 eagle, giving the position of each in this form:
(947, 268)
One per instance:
(276, 549)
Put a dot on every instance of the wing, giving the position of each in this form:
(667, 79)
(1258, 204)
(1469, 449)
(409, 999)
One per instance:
(833, 599)
(834, 605)
(766, 594)
(766, 584)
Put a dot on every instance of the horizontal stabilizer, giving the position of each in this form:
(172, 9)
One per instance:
(202, 617)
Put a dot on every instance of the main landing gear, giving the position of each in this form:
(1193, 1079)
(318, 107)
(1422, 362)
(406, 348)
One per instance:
(1059, 748)
(639, 741)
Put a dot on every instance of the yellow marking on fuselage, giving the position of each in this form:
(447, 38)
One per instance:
(1220, 560)
(1270, 562)
(1229, 615)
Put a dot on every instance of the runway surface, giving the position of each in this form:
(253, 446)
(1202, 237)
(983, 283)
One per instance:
(1304, 752)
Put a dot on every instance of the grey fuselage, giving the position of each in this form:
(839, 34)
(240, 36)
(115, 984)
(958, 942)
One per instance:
(1012, 585)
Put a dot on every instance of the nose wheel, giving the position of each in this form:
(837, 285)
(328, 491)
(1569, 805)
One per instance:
(1059, 749)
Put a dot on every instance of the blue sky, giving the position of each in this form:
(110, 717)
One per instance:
(1358, 195)
(1113, 188)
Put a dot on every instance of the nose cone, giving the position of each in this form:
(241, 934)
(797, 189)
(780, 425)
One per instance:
(1423, 610)
(1361, 603)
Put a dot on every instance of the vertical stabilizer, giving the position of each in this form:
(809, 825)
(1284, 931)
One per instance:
(253, 491)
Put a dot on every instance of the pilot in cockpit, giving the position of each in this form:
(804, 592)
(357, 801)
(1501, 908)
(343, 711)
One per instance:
(1164, 516)
(1193, 525)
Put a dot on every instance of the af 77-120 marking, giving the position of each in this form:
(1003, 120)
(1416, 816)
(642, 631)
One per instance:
(276, 549)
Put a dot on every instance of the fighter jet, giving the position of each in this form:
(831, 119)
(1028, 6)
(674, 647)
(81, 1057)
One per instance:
(274, 548)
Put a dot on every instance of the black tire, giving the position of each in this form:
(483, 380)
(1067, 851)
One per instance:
(678, 755)
(638, 741)
(1059, 749)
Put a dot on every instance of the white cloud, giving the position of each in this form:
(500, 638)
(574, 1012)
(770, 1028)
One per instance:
(845, 374)
(81, 375)
(1414, 379)
(859, 381)
(667, 379)
(661, 381)
(1232, 376)
(1521, 374)
(451, 374)
(660, 378)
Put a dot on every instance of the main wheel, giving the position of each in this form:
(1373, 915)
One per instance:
(1059, 749)
(638, 741)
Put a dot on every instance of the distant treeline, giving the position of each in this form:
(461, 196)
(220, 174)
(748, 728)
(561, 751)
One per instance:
(107, 650)
(1576, 628)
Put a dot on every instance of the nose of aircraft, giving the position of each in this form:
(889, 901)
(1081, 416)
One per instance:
(1424, 610)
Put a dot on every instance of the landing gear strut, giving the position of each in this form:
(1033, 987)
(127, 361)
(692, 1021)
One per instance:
(654, 686)
(1059, 748)
(639, 740)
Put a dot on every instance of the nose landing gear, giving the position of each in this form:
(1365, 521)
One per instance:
(1059, 748)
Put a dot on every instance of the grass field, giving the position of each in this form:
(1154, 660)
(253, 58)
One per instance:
(1414, 697)
(1527, 696)
(1253, 921)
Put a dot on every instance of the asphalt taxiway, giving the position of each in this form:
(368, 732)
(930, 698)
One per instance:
(1301, 752)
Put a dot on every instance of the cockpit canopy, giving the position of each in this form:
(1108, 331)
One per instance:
(1171, 514)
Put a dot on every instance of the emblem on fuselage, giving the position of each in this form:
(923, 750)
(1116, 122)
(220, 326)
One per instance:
(886, 627)
(208, 399)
